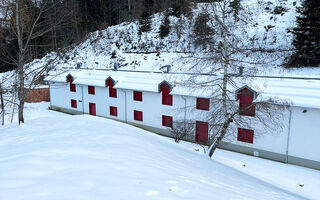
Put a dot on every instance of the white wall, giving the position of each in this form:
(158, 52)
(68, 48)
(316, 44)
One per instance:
(61, 96)
(305, 133)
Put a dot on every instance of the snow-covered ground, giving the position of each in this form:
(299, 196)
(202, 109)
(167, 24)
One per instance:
(59, 156)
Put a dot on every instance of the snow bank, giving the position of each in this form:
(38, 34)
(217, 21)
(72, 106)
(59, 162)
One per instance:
(59, 156)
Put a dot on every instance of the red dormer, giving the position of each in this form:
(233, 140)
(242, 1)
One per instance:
(70, 80)
(110, 83)
(165, 88)
(246, 95)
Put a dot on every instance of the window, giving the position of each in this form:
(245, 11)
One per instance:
(137, 115)
(91, 90)
(245, 135)
(166, 121)
(202, 129)
(73, 103)
(166, 97)
(72, 86)
(113, 111)
(137, 96)
(112, 91)
(203, 104)
(246, 105)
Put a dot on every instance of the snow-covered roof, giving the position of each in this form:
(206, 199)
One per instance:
(295, 91)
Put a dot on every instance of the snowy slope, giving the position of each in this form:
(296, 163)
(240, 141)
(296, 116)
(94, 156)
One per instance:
(134, 51)
(59, 156)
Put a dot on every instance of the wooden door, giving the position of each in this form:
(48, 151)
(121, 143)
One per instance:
(202, 129)
(92, 109)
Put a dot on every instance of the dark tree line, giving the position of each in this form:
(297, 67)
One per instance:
(70, 20)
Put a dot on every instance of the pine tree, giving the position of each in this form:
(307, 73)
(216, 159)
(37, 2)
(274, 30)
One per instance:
(165, 27)
(307, 34)
(145, 22)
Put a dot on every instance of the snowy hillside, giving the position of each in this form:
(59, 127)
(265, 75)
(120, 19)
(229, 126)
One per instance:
(59, 156)
(269, 28)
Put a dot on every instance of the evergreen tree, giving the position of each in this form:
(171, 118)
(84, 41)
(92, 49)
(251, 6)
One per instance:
(165, 26)
(307, 35)
(145, 22)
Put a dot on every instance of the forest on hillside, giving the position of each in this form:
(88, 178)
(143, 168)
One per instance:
(64, 23)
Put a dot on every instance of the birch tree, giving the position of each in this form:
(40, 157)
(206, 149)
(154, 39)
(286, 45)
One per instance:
(233, 45)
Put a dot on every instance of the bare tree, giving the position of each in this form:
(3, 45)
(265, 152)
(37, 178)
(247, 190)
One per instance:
(27, 24)
(230, 47)
(181, 130)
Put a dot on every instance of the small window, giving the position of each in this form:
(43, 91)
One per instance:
(203, 104)
(137, 96)
(113, 111)
(247, 109)
(72, 87)
(166, 121)
(245, 135)
(137, 115)
(91, 90)
(73, 103)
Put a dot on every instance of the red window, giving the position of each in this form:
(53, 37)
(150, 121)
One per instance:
(245, 135)
(72, 86)
(166, 97)
(246, 105)
(112, 91)
(92, 108)
(73, 103)
(203, 104)
(137, 115)
(166, 121)
(202, 129)
(91, 90)
(137, 96)
(113, 111)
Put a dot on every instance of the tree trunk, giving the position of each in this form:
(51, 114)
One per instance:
(2, 104)
(20, 68)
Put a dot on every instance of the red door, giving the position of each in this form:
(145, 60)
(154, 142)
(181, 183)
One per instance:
(202, 129)
(92, 108)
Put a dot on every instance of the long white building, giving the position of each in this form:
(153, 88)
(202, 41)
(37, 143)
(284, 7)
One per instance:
(154, 101)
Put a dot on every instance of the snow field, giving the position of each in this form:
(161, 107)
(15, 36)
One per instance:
(59, 156)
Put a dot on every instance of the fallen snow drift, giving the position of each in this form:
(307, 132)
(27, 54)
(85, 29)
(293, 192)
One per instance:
(59, 156)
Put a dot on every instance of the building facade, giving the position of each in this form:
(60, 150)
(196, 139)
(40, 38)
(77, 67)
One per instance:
(155, 101)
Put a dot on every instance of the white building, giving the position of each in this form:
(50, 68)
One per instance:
(154, 101)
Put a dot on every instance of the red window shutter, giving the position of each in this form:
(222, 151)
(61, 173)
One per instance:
(166, 121)
(166, 97)
(72, 87)
(203, 104)
(91, 90)
(113, 111)
(92, 108)
(73, 103)
(112, 91)
(137, 96)
(246, 105)
(245, 135)
(202, 132)
(137, 115)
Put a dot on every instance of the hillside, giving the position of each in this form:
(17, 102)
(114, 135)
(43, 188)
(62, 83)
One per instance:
(269, 27)
(78, 158)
